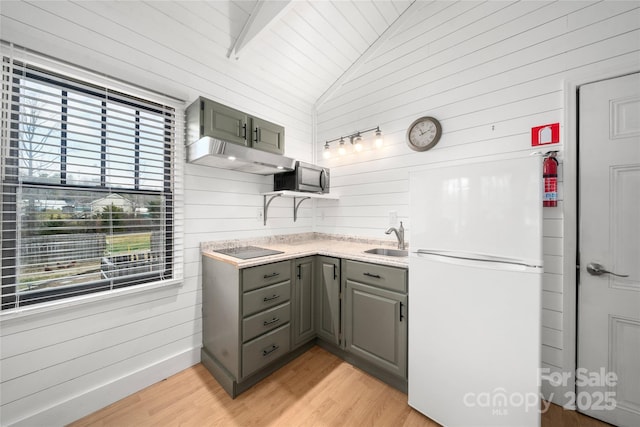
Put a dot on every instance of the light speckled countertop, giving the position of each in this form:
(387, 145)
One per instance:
(306, 244)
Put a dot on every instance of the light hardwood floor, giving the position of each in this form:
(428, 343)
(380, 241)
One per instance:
(316, 389)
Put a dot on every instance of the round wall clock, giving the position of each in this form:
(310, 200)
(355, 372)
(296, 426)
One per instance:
(424, 133)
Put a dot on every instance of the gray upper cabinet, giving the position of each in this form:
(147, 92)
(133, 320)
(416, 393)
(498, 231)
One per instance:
(219, 121)
(208, 118)
(376, 315)
(303, 296)
(328, 299)
(267, 136)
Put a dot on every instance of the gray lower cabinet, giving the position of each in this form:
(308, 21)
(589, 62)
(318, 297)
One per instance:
(303, 297)
(257, 319)
(327, 307)
(246, 316)
(376, 315)
(265, 288)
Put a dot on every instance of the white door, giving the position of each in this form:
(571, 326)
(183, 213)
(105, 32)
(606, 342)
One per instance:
(608, 376)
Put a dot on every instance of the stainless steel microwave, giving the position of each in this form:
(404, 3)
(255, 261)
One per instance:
(305, 177)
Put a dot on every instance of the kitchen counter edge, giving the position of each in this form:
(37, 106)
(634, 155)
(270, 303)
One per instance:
(345, 250)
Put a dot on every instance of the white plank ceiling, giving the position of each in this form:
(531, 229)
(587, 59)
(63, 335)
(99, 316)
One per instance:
(303, 49)
(315, 42)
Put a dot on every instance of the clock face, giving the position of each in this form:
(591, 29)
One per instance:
(424, 133)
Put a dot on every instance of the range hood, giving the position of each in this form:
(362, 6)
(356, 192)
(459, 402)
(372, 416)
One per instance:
(222, 154)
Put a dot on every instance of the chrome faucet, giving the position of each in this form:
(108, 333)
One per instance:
(399, 234)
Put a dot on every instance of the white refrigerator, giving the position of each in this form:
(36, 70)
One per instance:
(475, 273)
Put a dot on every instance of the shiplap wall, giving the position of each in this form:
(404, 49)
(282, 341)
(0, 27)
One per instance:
(489, 71)
(60, 365)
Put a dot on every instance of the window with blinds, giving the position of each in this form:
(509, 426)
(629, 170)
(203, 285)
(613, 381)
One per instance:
(87, 194)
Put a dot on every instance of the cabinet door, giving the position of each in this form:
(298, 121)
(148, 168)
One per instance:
(376, 326)
(303, 294)
(225, 123)
(267, 136)
(328, 299)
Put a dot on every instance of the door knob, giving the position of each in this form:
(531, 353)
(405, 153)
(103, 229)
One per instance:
(596, 269)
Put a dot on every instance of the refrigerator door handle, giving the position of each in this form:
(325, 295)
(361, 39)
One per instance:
(476, 257)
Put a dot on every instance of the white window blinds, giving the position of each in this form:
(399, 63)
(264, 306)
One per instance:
(88, 195)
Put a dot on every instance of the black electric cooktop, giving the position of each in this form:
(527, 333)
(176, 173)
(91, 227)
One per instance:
(248, 252)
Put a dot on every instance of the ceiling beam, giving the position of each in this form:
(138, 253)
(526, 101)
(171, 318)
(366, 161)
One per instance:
(265, 13)
(371, 50)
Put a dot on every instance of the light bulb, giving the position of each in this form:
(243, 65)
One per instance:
(358, 143)
(326, 153)
(341, 149)
(379, 141)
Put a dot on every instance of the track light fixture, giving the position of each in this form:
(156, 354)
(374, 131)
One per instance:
(356, 141)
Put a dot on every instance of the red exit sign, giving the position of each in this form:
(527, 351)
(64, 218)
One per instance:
(545, 134)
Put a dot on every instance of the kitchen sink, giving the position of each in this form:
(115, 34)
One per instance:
(387, 252)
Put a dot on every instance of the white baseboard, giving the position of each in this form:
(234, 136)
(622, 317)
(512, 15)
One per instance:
(79, 406)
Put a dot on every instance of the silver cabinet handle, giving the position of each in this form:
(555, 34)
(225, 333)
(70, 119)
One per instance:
(270, 350)
(269, 322)
(596, 269)
(271, 298)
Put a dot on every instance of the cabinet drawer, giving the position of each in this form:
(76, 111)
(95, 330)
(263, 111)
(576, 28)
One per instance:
(265, 321)
(262, 275)
(267, 297)
(382, 276)
(264, 350)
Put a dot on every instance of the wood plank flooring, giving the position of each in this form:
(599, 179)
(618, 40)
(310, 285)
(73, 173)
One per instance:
(316, 389)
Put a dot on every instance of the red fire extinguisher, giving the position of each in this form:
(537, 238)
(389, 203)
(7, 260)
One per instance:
(550, 175)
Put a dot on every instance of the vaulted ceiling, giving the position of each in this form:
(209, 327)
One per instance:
(300, 46)
(307, 45)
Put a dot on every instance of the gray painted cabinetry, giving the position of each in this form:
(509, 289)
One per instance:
(209, 118)
(220, 121)
(327, 308)
(257, 319)
(304, 324)
(376, 315)
(267, 136)
(246, 318)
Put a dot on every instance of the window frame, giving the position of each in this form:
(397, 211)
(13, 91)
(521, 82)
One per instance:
(12, 184)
